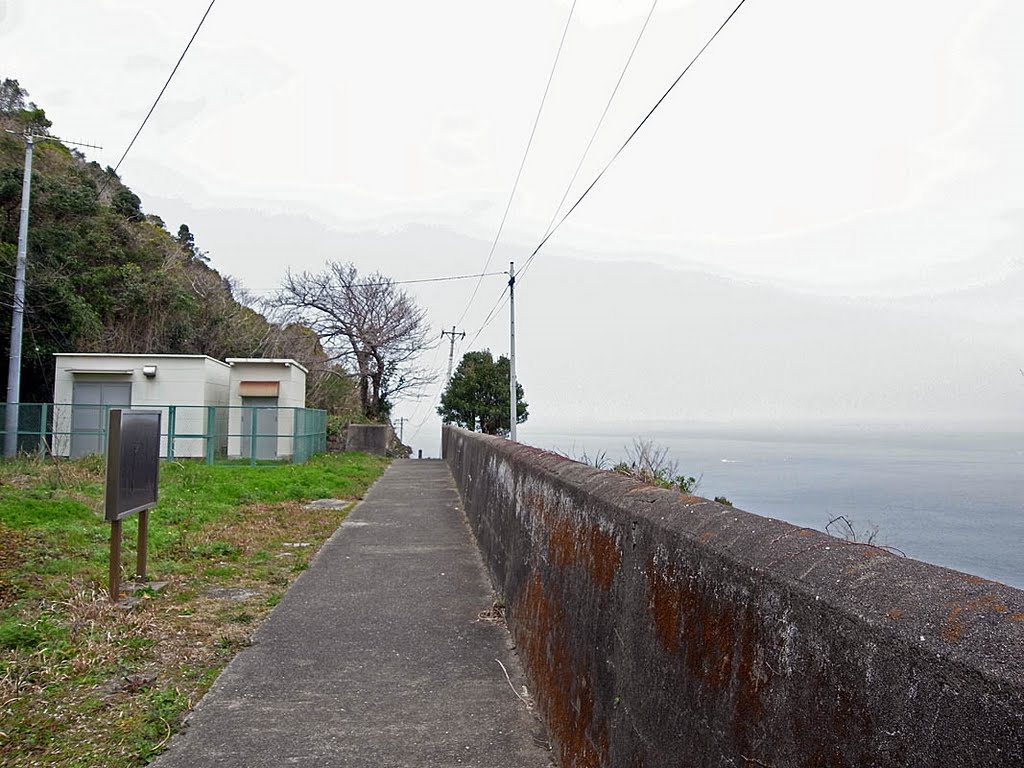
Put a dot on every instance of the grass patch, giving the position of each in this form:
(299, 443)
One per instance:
(84, 682)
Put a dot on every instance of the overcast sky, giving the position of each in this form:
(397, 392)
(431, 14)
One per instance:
(823, 222)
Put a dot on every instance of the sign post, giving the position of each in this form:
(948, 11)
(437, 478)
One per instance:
(133, 472)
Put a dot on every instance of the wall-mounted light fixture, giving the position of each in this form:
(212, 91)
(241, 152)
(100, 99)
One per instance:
(149, 371)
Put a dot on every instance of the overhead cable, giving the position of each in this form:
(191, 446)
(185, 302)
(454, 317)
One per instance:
(436, 399)
(522, 164)
(435, 370)
(440, 279)
(630, 137)
(160, 95)
(396, 282)
(490, 316)
(597, 127)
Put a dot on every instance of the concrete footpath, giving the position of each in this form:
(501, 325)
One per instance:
(376, 655)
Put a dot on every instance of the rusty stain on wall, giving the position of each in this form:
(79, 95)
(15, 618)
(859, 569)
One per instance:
(586, 545)
(953, 628)
(664, 605)
(719, 645)
(560, 682)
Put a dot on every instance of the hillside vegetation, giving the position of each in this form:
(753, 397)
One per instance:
(105, 276)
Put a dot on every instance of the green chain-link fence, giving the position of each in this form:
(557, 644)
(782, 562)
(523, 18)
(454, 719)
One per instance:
(216, 434)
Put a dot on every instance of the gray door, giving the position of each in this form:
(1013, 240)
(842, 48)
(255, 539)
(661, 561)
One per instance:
(261, 412)
(88, 417)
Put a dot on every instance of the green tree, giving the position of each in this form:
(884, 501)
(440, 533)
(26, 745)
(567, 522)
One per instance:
(187, 240)
(128, 204)
(12, 96)
(477, 395)
(21, 113)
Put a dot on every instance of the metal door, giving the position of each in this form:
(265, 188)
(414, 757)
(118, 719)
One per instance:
(88, 416)
(263, 412)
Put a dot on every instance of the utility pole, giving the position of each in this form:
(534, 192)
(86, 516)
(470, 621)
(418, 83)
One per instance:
(401, 428)
(512, 349)
(451, 349)
(18, 305)
(18, 311)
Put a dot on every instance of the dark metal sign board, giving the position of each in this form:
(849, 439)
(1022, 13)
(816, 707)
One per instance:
(133, 462)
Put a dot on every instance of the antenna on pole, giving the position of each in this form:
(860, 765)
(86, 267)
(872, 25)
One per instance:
(18, 305)
(512, 349)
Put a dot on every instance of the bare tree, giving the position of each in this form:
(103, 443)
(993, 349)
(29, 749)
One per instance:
(368, 324)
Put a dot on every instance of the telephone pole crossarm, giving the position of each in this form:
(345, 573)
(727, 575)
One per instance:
(453, 335)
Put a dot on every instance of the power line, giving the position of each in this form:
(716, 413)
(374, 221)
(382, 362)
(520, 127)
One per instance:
(435, 370)
(160, 95)
(551, 230)
(522, 164)
(631, 136)
(597, 127)
(502, 301)
(490, 316)
(420, 425)
(436, 399)
(398, 282)
(439, 279)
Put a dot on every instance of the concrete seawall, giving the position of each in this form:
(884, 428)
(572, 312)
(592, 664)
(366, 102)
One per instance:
(665, 630)
(369, 438)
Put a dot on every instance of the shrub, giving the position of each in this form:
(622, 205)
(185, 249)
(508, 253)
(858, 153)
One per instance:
(649, 463)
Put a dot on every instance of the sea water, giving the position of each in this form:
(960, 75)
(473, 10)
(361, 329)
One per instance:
(953, 498)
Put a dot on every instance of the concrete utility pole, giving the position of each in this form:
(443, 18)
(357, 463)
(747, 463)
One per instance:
(18, 305)
(18, 311)
(451, 349)
(512, 349)
(401, 427)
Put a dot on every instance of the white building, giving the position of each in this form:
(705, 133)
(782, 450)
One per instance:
(208, 405)
(264, 394)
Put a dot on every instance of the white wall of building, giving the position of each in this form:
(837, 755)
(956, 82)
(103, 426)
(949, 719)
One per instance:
(180, 380)
(218, 392)
(218, 382)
